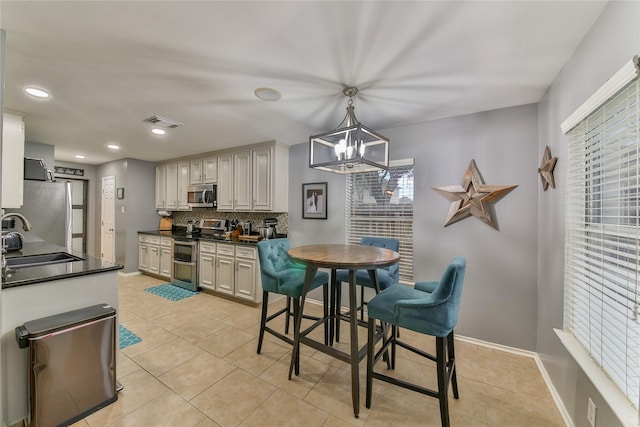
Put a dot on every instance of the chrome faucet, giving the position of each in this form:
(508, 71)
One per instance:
(26, 226)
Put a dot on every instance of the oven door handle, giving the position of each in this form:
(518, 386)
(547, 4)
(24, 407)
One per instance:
(180, 243)
(175, 261)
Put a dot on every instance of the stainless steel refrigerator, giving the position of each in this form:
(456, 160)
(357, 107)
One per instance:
(47, 206)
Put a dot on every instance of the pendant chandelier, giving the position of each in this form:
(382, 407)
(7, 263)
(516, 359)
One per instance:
(350, 149)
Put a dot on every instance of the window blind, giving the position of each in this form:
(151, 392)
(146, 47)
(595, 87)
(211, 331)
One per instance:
(603, 234)
(380, 203)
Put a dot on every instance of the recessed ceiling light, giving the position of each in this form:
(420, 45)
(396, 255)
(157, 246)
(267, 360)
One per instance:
(158, 131)
(267, 94)
(79, 156)
(113, 146)
(37, 92)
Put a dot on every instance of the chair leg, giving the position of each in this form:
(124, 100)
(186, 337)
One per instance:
(451, 362)
(289, 314)
(370, 361)
(263, 318)
(325, 312)
(296, 314)
(394, 331)
(338, 309)
(441, 368)
(362, 303)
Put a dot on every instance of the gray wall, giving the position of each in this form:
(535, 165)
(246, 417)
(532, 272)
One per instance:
(133, 213)
(612, 41)
(499, 299)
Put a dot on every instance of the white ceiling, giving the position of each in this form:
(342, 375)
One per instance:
(109, 65)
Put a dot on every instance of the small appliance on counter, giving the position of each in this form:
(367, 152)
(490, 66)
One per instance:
(268, 231)
(166, 224)
(247, 228)
(13, 241)
(214, 228)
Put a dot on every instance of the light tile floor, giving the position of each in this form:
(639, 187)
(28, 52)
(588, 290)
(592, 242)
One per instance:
(197, 366)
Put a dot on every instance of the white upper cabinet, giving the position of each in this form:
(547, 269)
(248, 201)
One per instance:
(253, 178)
(161, 184)
(210, 168)
(196, 171)
(183, 183)
(12, 160)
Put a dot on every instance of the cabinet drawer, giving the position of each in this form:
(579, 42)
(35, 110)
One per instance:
(225, 249)
(245, 252)
(143, 238)
(154, 240)
(166, 241)
(208, 247)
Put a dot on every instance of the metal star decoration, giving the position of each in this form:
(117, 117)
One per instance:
(546, 169)
(473, 197)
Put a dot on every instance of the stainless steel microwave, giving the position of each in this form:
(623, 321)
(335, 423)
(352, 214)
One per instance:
(202, 196)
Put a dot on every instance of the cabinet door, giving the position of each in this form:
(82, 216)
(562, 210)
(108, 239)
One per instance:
(225, 267)
(143, 257)
(245, 278)
(242, 181)
(154, 259)
(165, 261)
(207, 271)
(183, 183)
(196, 171)
(171, 190)
(262, 180)
(161, 185)
(13, 161)
(210, 166)
(225, 182)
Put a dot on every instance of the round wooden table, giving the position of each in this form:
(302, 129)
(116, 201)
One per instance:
(346, 257)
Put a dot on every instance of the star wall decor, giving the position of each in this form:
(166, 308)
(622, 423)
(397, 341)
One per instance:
(546, 169)
(473, 197)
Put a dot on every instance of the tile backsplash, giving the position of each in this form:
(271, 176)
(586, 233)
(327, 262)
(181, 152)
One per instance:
(180, 218)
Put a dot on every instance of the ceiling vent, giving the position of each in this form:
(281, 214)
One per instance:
(162, 122)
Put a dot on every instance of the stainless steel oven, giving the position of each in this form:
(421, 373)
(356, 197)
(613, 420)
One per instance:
(185, 266)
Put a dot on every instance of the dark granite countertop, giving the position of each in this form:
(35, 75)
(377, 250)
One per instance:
(46, 273)
(181, 233)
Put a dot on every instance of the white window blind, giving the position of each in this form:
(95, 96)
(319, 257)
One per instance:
(380, 204)
(602, 243)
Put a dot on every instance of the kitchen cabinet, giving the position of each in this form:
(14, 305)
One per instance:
(207, 265)
(242, 180)
(154, 255)
(172, 180)
(12, 160)
(225, 182)
(143, 253)
(254, 179)
(161, 183)
(184, 168)
(229, 269)
(171, 186)
(225, 269)
(245, 277)
(166, 255)
(210, 169)
(195, 171)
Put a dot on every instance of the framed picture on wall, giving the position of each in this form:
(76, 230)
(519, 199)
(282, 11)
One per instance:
(314, 200)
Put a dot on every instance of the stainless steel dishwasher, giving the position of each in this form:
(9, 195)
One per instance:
(72, 364)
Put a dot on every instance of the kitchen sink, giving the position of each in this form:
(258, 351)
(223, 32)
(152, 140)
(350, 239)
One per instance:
(39, 260)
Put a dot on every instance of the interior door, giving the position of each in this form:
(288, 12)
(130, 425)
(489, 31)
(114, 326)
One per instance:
(108, 240)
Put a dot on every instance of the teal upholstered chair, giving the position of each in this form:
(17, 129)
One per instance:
(430, 308)
(387, 276)
(281, 275)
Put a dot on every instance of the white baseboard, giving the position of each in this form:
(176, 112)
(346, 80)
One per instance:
(133, 273)
(526, 353)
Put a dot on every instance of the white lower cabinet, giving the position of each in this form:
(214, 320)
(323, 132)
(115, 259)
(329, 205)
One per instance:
(229, 269)
(154, 255)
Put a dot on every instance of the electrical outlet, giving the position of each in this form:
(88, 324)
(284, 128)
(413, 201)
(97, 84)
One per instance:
(591, 413)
